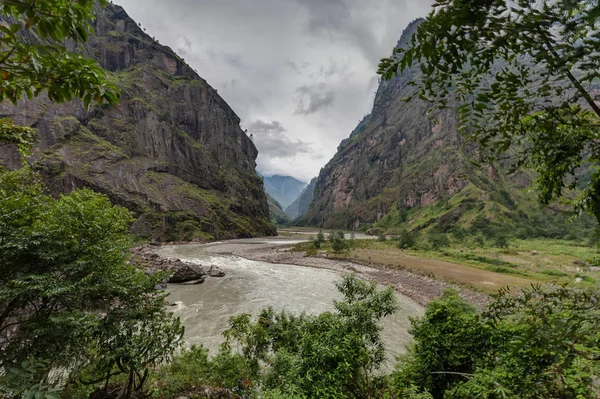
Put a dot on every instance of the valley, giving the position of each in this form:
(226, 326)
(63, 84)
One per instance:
(163, 237)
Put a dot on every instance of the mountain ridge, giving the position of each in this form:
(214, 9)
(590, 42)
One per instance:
(171, 151)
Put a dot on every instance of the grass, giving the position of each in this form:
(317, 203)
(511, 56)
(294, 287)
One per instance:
(485, 268)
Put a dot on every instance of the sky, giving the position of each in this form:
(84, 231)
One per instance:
(300, 74)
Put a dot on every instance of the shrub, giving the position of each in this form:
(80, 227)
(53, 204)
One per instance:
(438, 240)
(407, 239)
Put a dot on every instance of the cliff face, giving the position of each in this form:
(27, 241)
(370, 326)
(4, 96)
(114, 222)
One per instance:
(401, 159)
(172, 150)
(300, 206)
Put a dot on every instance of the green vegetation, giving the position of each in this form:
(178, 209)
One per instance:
(68, 299)
(29, 68)
(536, 343)
(519, 75)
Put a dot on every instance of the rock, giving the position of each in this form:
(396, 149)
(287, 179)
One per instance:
(169, 121)
(214, 271)
(155, 244)
(534, 252)
(580, 262)
(194, 282)
(161, 286)
(184, 273)
(351, 269)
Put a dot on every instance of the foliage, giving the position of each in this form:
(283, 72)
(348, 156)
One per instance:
(542, 342)
(333, 355)
(66, 293)
(21, 136)
(407, 239)
(448, 339)
(29, 379)
(33, 57)
(519, 74)
(319, 240)
(438, 240)
(338, 242)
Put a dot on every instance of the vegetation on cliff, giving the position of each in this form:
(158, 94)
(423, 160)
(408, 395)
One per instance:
(171, 151)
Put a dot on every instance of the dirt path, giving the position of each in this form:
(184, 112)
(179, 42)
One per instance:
(420, 288)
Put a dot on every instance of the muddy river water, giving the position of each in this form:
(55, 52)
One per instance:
(252, 285)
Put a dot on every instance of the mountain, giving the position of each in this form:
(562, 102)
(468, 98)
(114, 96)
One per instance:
(284, 189)
(171, 151)
(300, 206)
(278, 216)
(407, 167)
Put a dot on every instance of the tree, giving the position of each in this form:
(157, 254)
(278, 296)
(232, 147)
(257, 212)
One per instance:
(319, 240)
(449, 342)
(521, 76)
(33, 57)
(540, 342)
(332, 355)
(67, 296)
(407, 239)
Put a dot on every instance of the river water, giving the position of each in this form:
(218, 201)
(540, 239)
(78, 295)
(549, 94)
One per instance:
(250, 285)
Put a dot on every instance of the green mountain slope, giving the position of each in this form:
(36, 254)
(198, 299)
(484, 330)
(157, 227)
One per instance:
(405, 168)
(172, 151)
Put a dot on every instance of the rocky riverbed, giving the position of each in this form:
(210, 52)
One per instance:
(418, 287)
(186, 273)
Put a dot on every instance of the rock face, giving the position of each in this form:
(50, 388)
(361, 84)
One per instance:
(300, 206)
(401, 161)
(172, 150)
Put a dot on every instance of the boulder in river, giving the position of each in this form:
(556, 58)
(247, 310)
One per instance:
(184, 273)
(214, 271)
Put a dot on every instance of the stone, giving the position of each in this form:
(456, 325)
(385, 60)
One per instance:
(172, 151)
(214, 271)
(185, 273)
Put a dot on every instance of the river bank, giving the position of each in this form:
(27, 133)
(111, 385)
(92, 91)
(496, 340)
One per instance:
(420, 288)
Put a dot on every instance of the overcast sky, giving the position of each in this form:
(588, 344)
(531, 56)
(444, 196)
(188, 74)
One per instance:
(299, 73)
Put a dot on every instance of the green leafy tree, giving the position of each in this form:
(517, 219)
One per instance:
(521, 76)
(449, 341)
(34, 60)
(319, 240)
(407, 239)
(67, 295)
(333, 355)
(541, 342)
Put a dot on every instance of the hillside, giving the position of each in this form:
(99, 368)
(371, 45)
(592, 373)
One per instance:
(284, 189)
(277, 213)
(300, 206)
(171, 151)
(405, 168)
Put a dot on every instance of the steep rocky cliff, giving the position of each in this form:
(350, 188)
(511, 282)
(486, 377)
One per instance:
(404, 166)
(300, 206)
(172, 150)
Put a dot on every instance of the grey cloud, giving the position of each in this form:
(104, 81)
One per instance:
(271, 141)
(313, 98)
(184, 45)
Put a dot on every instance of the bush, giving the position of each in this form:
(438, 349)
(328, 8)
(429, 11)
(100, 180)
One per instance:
(407, 239)
(319, 240)
(438, 240)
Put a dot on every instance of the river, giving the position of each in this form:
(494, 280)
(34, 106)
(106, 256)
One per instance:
(252, 285)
